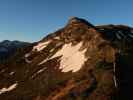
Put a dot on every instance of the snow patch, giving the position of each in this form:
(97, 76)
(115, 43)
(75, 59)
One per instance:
(41, 70)
(130, 35)
(114, 77)
(102, 29)
(11, 73)
(10, 88)
(57, 37)
(72, 59)
(35, 74)
(41, 46)
(118, 36)
(52, 50)
(45, 60)
(3, 70)
(27, 60)
(27, 55)
(121, 33)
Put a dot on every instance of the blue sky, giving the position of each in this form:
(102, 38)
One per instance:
(31, 20)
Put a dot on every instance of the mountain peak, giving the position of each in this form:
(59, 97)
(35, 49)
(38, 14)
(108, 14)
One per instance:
(79, 61)
(73, 20)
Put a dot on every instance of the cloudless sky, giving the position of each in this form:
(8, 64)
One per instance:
(31, 20)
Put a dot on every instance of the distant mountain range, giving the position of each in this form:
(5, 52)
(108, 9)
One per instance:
(8, 49)
(80, 61)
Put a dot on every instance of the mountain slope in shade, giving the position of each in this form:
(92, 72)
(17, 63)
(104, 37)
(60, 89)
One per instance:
(78, 62)
(8, 49)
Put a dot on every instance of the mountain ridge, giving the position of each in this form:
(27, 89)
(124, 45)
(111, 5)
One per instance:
(8, 48)
(78, 62)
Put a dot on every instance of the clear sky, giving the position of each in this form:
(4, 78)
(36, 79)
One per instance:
(31, 20)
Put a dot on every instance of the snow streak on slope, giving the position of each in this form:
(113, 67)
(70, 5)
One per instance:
(3, 90)
(26, 58)
(72, 59)
(41, 46)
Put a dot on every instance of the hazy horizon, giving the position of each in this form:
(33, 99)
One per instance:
(31, 20)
